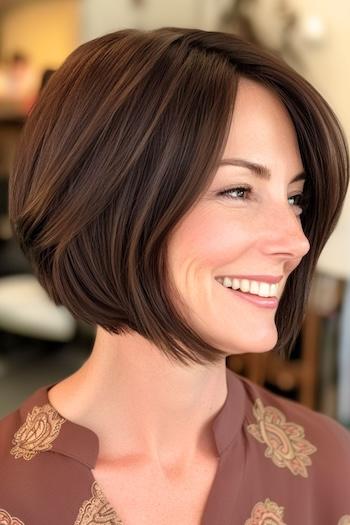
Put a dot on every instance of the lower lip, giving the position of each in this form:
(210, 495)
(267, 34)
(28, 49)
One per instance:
(265, 302)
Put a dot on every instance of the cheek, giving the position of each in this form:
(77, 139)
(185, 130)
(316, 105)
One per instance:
(208, 241)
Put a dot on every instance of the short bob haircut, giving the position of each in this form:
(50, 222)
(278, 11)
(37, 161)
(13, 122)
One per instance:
(122, 142)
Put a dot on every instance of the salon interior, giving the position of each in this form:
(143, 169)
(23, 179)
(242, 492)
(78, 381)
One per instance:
(41, 343)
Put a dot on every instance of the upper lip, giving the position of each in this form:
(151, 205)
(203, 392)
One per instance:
(271, 279)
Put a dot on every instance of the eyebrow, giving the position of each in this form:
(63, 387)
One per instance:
(258, 169)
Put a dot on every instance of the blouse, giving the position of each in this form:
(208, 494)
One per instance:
(279, 463)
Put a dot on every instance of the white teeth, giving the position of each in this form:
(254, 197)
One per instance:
(253, 287)
(264, 289)
(235, 284)
(273, 289)
(245, 285)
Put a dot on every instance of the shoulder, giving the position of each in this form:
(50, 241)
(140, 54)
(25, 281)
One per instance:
(308, 443)
(12, 436)
(313, 420)
(12, 473)
(268, 406)
(45, 465)
(8, 426)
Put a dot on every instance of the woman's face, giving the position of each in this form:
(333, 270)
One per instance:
(243, 233)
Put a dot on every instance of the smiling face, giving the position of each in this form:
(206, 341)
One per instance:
(242, 233)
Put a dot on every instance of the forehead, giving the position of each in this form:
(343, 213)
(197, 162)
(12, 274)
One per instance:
(261, 127)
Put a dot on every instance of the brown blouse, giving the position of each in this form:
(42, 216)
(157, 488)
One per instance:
(280, 463)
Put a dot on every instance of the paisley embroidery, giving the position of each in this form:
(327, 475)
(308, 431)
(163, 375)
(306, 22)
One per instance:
(6, 519)
(97, 510)
(37, 433)
(286, 444)
(267, 513)
(344, 520)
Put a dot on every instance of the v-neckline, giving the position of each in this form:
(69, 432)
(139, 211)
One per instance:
(82, 444)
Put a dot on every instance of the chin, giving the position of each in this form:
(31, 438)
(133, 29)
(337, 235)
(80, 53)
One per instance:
(248, 346)
(262, 337)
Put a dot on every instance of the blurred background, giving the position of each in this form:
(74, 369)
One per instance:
(41, 343)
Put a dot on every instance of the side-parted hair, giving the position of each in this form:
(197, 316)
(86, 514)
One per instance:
(122, 142)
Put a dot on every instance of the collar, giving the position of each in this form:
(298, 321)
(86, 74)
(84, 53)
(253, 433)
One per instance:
(82, 444)
(229, 420)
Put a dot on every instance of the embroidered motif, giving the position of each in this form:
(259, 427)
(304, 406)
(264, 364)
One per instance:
(344, 520)
(6, 519)
(267, 513)
(97, 510)
(286, 444)
(37, 433)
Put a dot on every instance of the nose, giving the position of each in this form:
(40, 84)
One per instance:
(282, 234)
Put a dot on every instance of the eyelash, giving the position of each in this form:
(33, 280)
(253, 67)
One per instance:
(248, 190)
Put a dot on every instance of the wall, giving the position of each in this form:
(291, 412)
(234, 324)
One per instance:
(102, 16)
(327, 66)
(46, 30)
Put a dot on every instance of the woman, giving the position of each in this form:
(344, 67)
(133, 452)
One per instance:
(174, 188)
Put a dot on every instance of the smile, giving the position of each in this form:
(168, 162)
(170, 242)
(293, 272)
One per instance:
(260, 289)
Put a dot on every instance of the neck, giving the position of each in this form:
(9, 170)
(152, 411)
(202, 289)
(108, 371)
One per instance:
(141, 404)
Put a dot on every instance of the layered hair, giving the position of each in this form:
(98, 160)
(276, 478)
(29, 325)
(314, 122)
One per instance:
(122, 142)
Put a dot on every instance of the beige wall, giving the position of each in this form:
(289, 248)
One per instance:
(327, 66)
(103, 16)
(47, 30)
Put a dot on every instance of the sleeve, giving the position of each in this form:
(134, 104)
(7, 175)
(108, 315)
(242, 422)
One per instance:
(333, 470)
(8, 487)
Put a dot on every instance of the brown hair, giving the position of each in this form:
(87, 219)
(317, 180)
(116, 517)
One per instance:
(122, 142)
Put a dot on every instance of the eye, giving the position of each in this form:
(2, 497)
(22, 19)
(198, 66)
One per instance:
(300, 201)
(240, 192)
(238, 189)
